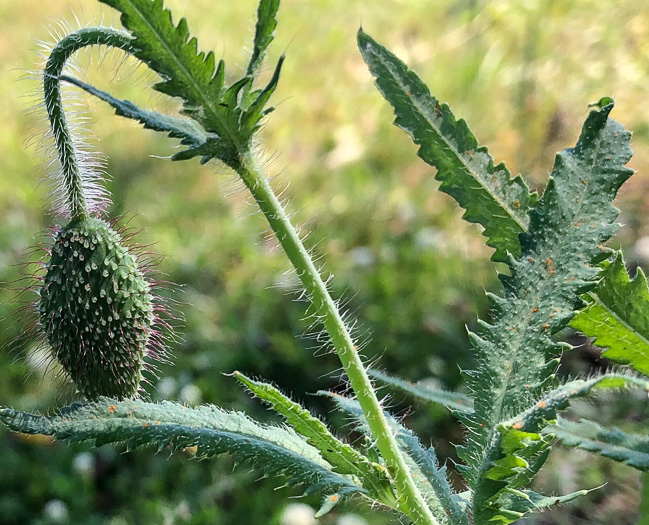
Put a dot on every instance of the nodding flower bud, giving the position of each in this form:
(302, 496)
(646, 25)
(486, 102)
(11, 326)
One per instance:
(96, 309)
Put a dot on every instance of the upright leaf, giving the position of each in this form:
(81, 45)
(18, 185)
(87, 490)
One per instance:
(516, 354)
(617, 316)
(232, 113)
(489, 194)
(264, 33)
(212, 431)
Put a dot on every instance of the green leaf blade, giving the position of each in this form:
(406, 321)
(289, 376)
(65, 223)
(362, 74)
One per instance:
(617, 316)
(452, 400)
(343, 458)
(194, 76)
(517, 357)
(211, 430)
(187, 130)
(631, 449)
(264, 33)
(490, 196)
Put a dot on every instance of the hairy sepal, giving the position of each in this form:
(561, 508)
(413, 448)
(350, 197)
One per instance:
(213, 431)
(343, 458)
(488, 193)
(231, 113)
(96, 309)
(616, 315)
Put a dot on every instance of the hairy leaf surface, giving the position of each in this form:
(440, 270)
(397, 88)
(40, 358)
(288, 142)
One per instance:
(521, 502)
(431, 479)
(490, 196)
(424, 392)
(190, 133)
(343, 458)
(264, 33)
(232, 113)
(632, 449)
(210, 429)
(516, 355)
(617, 316)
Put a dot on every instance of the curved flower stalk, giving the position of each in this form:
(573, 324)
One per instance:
(96, 306)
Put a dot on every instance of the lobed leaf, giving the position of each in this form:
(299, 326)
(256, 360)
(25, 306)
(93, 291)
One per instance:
(517, 357)
(617, 315)
(488, 193)
(231, 113)
(213, 431)
(343, 458)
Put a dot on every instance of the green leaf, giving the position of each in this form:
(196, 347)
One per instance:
(342, 457)
(264, 33)
(424, 392)
(430, 478)
(516, 355)
(489, 194)
(617, 316)
(231, 113)
(521, 502)
(213, 431)
(546, 409)
(187, 130)
(632, 449)
(524, 446)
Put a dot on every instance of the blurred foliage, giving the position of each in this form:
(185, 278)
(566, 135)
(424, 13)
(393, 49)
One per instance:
(410, 270)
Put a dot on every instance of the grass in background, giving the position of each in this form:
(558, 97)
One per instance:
(412, 271)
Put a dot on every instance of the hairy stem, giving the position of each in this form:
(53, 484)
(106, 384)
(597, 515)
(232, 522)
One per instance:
(73, 183)
(410, 500)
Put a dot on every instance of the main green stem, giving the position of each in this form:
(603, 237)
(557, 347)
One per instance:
(410, 500)
(73, 182)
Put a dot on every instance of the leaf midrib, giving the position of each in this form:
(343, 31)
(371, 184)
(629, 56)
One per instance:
(575, 167)
(424, 113)
(189, 77)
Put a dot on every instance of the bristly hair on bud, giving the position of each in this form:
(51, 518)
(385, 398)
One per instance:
(96, 308)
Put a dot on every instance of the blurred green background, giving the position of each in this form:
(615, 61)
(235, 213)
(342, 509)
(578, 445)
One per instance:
(411, 271)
